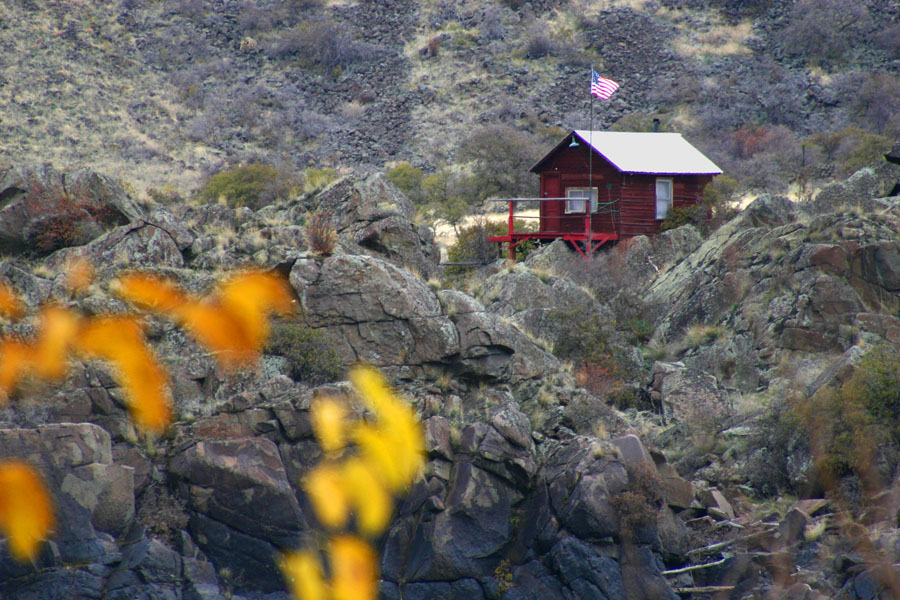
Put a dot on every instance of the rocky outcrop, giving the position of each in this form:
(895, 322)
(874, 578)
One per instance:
(539, 303)
(244, 508)
(42, 209)
(371, 216)
(388, 317)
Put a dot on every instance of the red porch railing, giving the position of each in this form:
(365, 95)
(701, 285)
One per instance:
(566, 226)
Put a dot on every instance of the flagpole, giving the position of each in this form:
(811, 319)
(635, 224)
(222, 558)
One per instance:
(590, 241)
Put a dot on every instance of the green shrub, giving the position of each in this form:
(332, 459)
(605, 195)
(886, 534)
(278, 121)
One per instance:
(850, 149)
(848, 428)
(254, 186)
(876, 385)
(500, 158)
(472, 244)
(311, 353)
(408, 180)
(581, 335)
(694, 214)
(641, 330)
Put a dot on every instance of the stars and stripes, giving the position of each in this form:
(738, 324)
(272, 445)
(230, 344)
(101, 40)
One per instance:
(601, 86)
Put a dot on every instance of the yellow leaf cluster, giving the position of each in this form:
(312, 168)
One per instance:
(26, 513)
(231, 322)
(387, 457)
(354, 571)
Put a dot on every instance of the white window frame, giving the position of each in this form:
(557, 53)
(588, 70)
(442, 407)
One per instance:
(664, 204)
(579, 199)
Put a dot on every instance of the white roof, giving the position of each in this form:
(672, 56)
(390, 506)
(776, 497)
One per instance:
(642, 152)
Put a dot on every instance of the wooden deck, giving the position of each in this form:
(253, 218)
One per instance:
(580, 229)
(584, 243)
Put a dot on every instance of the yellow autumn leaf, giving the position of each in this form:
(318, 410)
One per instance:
(304, 575)
(354, 573)
(120, 341)
(373, 389)
(56, 330)
(326, 489)
(328, 421)
(79, 274)
(371, 501)
(15, 361)
(10, 305)
(149, 292)
(395, 444)
(26, 512)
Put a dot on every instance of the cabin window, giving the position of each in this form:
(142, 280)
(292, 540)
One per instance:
(663, 198)
(578, 197)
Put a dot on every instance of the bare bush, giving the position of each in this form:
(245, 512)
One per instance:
(320, 233)
(825, 30)
(539, 45)
(873, 100)
(324, 44)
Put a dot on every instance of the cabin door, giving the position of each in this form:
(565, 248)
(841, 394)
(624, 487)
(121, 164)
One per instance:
(551, 211)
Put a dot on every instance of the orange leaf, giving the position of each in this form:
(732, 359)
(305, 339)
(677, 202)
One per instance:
(150, 292)
(10, 305)
(248, 297)
(219, 332)
(15, 361)
(231, 323)
(57, 328)
(120, 341)
(304, 574)
(26, 513)
(354, 572)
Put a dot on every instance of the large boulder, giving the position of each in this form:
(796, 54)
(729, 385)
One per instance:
(91, 493)
(152, 242)
(386, 316)
(861, 189)
(42, 209)
(243, 507)
(540, 304)
(372, 216)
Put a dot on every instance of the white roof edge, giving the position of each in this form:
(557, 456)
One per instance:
(651, 153)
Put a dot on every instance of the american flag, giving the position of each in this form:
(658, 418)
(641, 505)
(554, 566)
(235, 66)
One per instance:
(601, 86)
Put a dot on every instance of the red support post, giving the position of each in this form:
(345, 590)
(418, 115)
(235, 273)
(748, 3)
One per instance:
(512, 247)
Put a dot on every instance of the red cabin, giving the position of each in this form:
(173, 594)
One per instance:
(601, 186)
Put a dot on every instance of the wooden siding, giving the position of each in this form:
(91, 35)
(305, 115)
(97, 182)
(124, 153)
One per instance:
(635, 209)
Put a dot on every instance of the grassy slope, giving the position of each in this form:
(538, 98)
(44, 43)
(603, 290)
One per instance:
(162, 92)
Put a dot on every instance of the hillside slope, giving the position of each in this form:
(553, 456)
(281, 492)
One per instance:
(166, 92)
